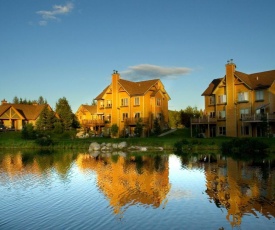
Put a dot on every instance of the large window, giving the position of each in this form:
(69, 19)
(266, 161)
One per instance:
(243, 97)
(222, 114)
(101, 104)
(124, 102)
(212, 100)
(222, 99)
(136, 101)
(222, 131)
(259, 95)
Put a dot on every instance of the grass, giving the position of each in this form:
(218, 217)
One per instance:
(68, 141)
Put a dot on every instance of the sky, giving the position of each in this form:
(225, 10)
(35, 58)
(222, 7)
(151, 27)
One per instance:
(57, 48)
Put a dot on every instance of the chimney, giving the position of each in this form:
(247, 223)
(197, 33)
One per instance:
(231, 118)
(3, 102)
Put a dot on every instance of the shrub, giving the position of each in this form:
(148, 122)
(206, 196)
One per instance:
(44, 141)
(28, 132)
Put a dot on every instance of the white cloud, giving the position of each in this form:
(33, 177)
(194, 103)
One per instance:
(147, 71)
(57, 10)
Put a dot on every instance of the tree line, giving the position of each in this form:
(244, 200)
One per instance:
(182, 118)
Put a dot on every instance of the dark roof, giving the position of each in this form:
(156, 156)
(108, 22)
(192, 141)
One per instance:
(212, 86)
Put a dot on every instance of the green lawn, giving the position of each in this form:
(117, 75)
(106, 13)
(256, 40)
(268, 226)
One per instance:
(68, 141)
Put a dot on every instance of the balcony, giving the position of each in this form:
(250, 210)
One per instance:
(258, 117)
(97, 122)
(204, 120)
(133, 121)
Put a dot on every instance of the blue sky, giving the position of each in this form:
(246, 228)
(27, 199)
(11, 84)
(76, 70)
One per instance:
(69, 48)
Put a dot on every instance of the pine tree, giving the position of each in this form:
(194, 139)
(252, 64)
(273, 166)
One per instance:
(64, 111)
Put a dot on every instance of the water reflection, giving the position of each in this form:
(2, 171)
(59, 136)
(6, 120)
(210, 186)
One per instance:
(129, 180)
(239, 188)
(242, 187)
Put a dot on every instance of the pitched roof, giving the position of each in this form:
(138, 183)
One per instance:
(212, 86)
(91, 108)
(254, 81)
(29, 112)
(137, 88)
(133, 88)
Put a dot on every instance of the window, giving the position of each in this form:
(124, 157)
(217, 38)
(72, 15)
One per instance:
(245, 130)
(136, 101)
(222, 131)
(212, 114)
(124, 116)
(101, 104)
(222, 114)
(222, 99)
(158, 102)
(242, 96)
(244, 112)
(259, 95)
(212, 100)
(137, 115)
(124, 102)
(109, 103)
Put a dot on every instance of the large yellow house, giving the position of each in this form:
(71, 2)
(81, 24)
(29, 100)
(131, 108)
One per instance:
(15, 116)
(239, 105)
(125, 103)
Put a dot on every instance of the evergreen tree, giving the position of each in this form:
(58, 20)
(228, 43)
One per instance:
(156, 127)
(46, 119)
(64, 111)
(15, 100)
(41, 101)
(138, 128)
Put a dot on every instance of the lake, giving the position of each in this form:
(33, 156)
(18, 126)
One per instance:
(82, 190)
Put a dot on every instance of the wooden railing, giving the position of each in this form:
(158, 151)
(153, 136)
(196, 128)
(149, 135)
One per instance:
(133, 120)
(94, 122)
(204, 120)
(258, 117)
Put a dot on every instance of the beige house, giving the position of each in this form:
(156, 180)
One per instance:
(15, 116)
(238, 105)
(125, 103)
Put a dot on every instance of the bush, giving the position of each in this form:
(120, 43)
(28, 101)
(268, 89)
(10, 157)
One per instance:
(179, 145)
(44, 141)
(243, 148)
(28, 132)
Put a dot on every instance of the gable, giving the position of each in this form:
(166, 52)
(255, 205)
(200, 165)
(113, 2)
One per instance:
(11, 113)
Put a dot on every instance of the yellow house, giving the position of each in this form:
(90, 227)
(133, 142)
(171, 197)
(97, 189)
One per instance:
(15, 116)
(125, 103)
(238, 105)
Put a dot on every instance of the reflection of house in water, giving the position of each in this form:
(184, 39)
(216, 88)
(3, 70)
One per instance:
(127, 181)
(233, 185)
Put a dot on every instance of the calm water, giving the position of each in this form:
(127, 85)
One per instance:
(122, 191)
